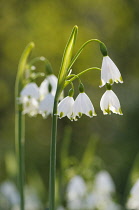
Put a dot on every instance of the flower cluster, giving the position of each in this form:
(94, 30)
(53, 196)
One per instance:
(39, 100)
(99, 196)
(73, 109)
(82, 104)
(110, 74)
(10, 199)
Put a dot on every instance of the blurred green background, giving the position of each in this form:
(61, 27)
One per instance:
(49, 23)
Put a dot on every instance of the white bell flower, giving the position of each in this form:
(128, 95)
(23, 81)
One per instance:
(101, 195)
(29, 97)
(31, 90)
(30, 106)
(109, 72)
(133, 201)
(65, 107)
(44, 87)
(83, 105)
(110, 102)
(76, 191)
(103, 183)
(9, 191)
(32, 201)
(46, 105)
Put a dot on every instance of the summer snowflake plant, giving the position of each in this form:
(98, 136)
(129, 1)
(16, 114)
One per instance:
(47, 99)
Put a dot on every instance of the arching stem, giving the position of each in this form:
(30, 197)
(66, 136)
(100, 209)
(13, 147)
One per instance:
(78, 75)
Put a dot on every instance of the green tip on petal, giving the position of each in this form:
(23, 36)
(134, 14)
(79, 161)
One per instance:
(121, 79)
(120, 111)
(71, 118)
(101, 83)
(61, 114)
(111, 81)
(91, 113)
(94, 114)
(79, 114)
(107, 111)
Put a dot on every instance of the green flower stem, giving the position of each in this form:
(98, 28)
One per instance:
(20, 130)
(81, 49)
(20, 122)
(66, 59)
(53, 158)
(49, 69)
(78, 75)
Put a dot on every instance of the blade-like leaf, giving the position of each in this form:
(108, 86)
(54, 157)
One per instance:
(21, 67)
(67, 58)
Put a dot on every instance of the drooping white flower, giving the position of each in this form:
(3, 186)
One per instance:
(46, 105)
(76, 191)
(49, 82)
(9, 191)
(83, 105)
(32, 201)
(110, 102)
(29, 97)
(101, 195)
(133, 201)
(76, 187)
(104, 183)
(65, 107)
(109, 72)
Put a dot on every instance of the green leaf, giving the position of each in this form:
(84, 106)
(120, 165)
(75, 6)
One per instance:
(22, 67)
(67, 56)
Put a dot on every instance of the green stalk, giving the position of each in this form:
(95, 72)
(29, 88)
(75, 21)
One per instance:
(61, 80)
(19, 132)
(53, 159)
(102, 45)
(78, 75)
(20, 122)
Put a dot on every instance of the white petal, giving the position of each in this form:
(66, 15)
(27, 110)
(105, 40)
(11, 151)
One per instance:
(46, 105)
(76, 191)
(133, 201)
(76, 188)
(77, 107)
(104, 102)
(52, 80)
(83, 105)
(87, 106)
(65, 107)
(30, 90)
(110, 102)
(44, 87)
(103, 183)
(109, 72)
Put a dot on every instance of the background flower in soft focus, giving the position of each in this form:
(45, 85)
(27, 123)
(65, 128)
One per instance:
(114, 138)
